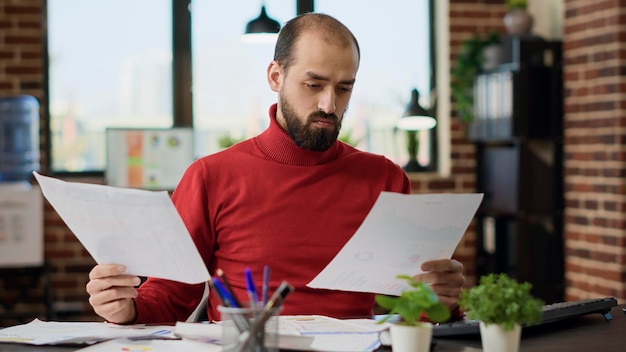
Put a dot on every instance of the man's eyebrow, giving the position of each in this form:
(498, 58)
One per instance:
(319, 77)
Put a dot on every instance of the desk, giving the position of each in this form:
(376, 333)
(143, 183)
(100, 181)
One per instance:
(588, 333)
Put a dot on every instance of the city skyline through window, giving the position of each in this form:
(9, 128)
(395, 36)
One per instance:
(111, 66)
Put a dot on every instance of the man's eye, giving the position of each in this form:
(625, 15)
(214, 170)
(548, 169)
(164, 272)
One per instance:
(312, 85)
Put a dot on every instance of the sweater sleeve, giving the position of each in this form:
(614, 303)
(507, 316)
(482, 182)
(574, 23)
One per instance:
(166, 302)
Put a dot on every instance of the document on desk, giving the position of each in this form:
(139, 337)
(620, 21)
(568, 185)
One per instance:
(39, 332)
(303, 333)
(138, 228)
(400, 233)
(125, 344)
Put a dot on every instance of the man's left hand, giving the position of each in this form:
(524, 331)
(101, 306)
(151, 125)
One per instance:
(445, 277)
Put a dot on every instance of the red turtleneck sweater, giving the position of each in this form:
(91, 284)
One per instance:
(266, 201)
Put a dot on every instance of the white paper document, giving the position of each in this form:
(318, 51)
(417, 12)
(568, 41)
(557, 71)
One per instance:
(322, 333)
(296, 332)
(39, 332)
(400, 233)
(138, 228)
(125, 344)
(303, 333)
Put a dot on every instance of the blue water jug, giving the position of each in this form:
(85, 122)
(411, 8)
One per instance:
(19, 137)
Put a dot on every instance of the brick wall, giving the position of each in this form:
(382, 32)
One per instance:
(594, 147)
(22, 72)
(20, 47)
(467, 18)
(595, 83)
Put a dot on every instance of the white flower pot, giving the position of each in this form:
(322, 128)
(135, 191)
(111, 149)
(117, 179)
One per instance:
(496, 339)
(411, 338)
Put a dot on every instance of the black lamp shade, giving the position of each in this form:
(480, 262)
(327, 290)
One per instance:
(414, 108)
(415, 117)
(262, 24)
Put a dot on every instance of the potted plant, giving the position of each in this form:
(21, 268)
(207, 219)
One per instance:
(517, 20)
(469, 62)
(410, 333)
(502, 305)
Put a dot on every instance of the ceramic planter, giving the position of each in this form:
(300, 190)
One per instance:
(406, 338)
(518, 22)
(496, 339)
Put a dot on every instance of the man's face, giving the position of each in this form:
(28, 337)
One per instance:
(315, 90)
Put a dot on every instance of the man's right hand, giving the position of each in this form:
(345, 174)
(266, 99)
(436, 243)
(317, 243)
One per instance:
(111, 293)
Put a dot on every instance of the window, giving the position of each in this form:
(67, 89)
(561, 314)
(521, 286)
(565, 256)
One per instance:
(231, 97)
(111, 66)
(394, 60)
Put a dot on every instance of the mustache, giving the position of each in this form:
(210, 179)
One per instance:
(323, 115)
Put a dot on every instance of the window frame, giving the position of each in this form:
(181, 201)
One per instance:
(182, 77)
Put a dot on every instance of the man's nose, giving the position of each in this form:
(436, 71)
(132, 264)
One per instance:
(326, 102)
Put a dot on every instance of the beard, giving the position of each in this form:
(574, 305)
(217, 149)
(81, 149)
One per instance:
(304, 134)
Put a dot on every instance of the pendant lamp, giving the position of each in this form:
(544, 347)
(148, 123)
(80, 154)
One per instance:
(415, 117)
(262, 28)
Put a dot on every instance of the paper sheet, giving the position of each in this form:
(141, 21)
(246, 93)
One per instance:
(300, 332)
(153, 346)
(39, 332)
(21, 225)
(328, 334)
(138, 228)
(399, 234)
(304, 333)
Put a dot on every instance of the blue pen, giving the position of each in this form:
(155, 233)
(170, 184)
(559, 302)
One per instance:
(252, 293)
(226, 296)
(266, 283)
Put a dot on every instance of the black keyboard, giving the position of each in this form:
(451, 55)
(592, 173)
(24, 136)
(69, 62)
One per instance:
(551, 313)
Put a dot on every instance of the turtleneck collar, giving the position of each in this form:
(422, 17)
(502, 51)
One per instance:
(278, 146)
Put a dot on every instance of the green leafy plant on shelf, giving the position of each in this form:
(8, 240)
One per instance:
(467, 66)
(516, 4)
(499, 299)
(418, 298)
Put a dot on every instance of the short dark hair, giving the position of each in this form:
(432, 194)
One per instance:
(328, 26)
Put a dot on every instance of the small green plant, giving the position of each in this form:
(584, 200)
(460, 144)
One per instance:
(347, 137)
(226, 140)
(516, 4)
(499, 299)
(412, 302)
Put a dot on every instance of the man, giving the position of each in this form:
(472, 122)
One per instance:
(289, 198)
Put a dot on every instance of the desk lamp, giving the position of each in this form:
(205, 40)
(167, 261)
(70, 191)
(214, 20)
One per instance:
(262, 29)
(414, 119)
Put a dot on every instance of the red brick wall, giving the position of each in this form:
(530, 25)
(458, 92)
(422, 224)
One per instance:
(20, 47)
(595, 83)
(22, 72)
(467, 18)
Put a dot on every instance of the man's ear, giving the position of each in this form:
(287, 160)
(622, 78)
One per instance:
(275, 75)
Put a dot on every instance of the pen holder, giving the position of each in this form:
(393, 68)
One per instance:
(249, 329)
